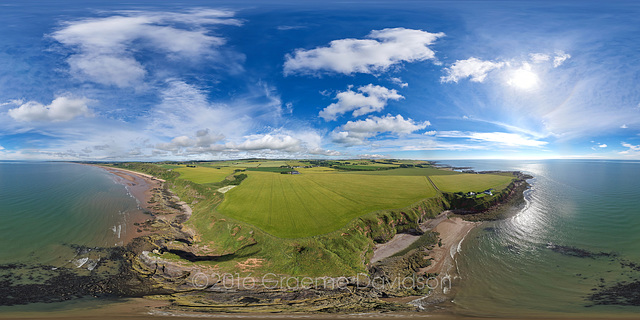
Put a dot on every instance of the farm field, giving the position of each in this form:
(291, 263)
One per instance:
(203, 175)
(409, 172)
(295, 206)
(471, 182)
(323, 199)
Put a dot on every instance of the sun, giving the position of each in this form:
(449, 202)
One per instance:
(523, 78)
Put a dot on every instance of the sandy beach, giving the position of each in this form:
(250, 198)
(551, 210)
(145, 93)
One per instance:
(141, 187)
(452, 233)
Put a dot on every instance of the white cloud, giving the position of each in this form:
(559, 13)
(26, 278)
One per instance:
(185, 107)
(268, 141)
(368, 99)
(399, 82)
(632, 149)
(323, 152)
(60, 109)
(381, 50)
(356, 132)
(502, 138)
(602, 146)
(104, 47)
(624, 126)
(539, 57)
(1, 148)
(372, 156)
(120, 71)
(508, 139)
(430, 133)
(560, 58)
(202, 142)
(473, 68)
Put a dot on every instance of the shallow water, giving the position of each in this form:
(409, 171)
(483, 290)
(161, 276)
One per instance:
(46, 206)
(510, 267)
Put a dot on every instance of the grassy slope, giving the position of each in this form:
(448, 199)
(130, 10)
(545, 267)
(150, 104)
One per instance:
(471, 182)
(294, 206)
(203, 175)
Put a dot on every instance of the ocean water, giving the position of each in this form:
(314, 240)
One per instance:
(577, 234)
(48, 209)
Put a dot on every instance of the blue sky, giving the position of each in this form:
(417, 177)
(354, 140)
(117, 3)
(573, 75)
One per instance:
(289, 79)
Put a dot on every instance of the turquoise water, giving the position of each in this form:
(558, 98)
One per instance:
(46, 207)
(508, 268)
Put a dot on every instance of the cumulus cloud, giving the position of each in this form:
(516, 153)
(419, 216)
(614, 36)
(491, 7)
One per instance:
(602, 145)
(477, 70)
(560, 58)
(281, 142)
(268, 141)
(203, 141)
(60, 109)
(367, 99)
(502, 138)
(356, 132)
(381, 50)
(624, 126)
(473, 68)
(324, 152)
(104, 47)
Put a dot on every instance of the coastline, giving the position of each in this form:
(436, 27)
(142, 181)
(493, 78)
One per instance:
(452, 231)
(151, 196)
(141, 186)
(146, 308)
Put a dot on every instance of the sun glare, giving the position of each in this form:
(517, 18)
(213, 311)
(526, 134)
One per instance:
(523, 78)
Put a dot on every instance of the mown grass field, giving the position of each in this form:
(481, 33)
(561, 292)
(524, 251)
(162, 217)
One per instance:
(295, 206)
(471, 182)
(203, 175)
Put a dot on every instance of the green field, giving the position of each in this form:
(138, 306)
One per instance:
(294, 206)
(270, 169)
(471, 182)
(204, 174)
(272, 164)
(409, 172)
(323, 199)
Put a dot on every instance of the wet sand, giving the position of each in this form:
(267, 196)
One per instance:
(141, 187)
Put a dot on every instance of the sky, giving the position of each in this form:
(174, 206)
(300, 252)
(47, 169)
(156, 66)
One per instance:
(200, 80)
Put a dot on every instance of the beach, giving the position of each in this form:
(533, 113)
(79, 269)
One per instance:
(144, 188)
(452, 233)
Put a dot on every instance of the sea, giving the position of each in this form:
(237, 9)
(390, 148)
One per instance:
(56, 215)
(572, 250)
